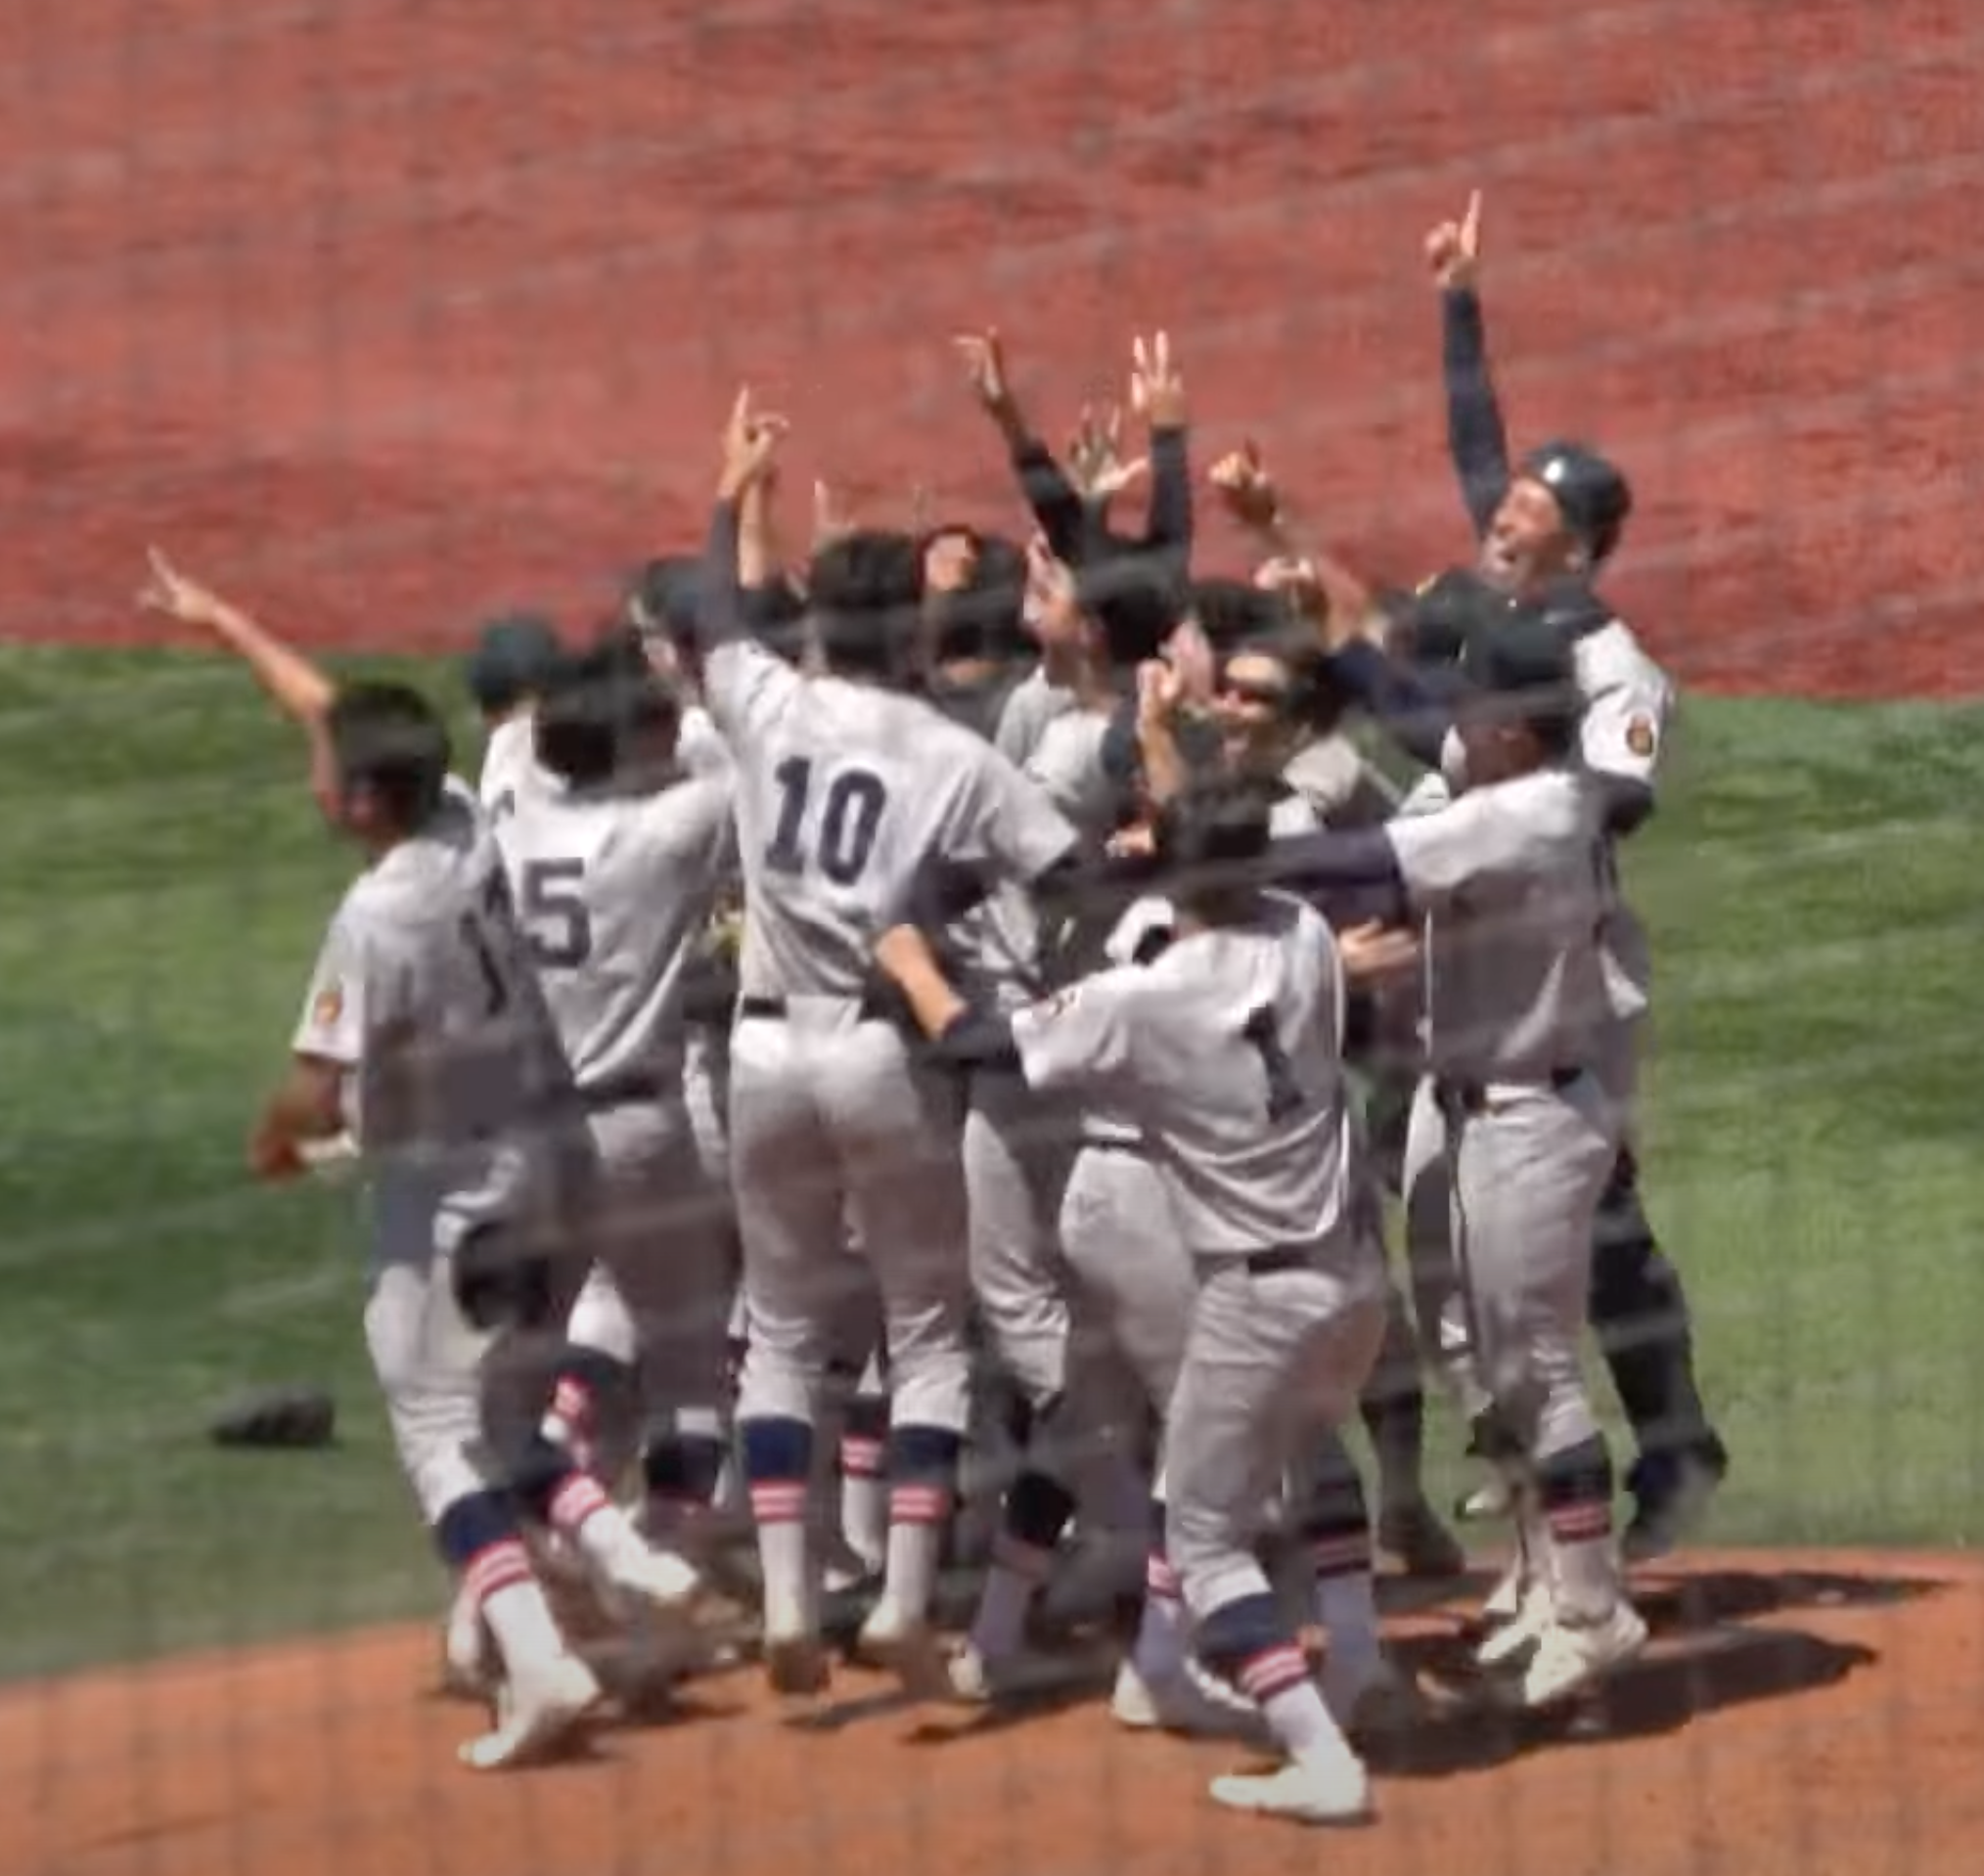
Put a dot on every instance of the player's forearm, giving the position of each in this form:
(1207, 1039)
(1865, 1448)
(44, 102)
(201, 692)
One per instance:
(719, 604)
(1169, 527)
(758, 560)
(296, 687)
(1475, 435)
(1405, 708)
(1055, 503)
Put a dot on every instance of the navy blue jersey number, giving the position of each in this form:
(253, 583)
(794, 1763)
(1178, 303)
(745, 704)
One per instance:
(850, 818)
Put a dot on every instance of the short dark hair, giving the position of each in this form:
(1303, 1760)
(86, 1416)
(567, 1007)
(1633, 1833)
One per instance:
(1523, 668)
(865, 594)
(389, 741)
(1230, 611)
(1314, 697)
(661, 598)
(513, 651)
(982, 619)
(593, 707)
(1214, 824)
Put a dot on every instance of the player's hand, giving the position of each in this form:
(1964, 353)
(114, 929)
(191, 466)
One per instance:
(1245, 489)
(1195, 669)
(275, 1156)
(984, 360)
(1139, 839)
(1051, 604)
(832, 520)
(1094, 457)
(750, 441)
(170, 593)
(1296, 580)
(1375, 954)
(1453, 249)
(1157, 389)
(1161, 692)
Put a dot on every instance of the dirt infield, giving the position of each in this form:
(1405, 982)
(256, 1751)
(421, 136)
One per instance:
(387, 313)
(1798, 1717)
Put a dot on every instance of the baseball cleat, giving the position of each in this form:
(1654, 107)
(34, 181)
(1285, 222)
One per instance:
(1487, 1504)
(909, 1649)
(1522, 1631)
(1569, 1655)
(1672, 1497)
(1187, 1702)
(1422, 1545)
(1302, 1793)
(795, 1664)
(984, 1680)
(1503, 1602)
(537, 1714)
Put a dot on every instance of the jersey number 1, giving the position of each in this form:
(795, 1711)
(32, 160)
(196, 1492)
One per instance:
(850, 818)
(1284, 1091)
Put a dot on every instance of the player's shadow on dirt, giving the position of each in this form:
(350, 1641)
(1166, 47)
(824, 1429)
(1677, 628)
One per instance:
(1703, 1657)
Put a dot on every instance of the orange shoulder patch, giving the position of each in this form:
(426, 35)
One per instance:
(1640, 736)
(328, 1006)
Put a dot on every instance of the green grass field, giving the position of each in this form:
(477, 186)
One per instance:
(1811, 1142)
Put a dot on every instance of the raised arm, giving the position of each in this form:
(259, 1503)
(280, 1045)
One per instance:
(1476, 437)
(1157, 395)
(299, 689)
(1056, 502)
(750, 441)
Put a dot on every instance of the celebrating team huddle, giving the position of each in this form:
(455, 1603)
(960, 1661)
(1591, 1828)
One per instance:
(962, 980)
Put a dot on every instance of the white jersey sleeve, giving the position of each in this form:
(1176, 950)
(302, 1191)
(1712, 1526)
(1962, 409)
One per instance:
(1628, 701)
(700, 746)
(746, 688)
(1080, 1039)
(1066, 764)
(342, 998)
(1506, 831)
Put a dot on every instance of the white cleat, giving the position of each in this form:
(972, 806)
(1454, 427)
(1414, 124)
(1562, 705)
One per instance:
(984, 1681)
(1487, 1504)
(910, 1650)
(471, 1666)
(536, 1716)
(1522, 1631)
(1187, 1702)
(1504, 1602)
(1302, 1793)
(1572, 1655)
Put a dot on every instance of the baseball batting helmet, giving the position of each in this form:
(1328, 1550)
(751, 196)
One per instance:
(1595, 497)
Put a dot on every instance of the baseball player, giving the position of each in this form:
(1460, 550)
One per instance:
(1549, 524)
(1513, 1132)
(505, 672)
(424, 1040)
(1224, 1048)
(848, 794)
(614, 876)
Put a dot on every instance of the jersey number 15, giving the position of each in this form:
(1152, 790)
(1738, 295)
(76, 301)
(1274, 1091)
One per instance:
(850, 817)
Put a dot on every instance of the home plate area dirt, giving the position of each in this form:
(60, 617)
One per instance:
(1804, 1715)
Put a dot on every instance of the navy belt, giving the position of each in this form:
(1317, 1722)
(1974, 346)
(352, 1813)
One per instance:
(1274, 1262)
(873, 1010)
(623, 1090)
(1472, 1097)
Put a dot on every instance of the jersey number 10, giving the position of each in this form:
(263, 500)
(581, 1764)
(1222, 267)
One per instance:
(850, 817)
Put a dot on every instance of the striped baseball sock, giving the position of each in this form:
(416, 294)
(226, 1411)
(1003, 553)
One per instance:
(1345, 1598)
(1163, 1627)
(503, 1587)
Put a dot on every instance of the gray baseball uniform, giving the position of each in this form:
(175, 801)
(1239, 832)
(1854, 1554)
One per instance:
(847, 794)
(614, 887)
(1511, 1137)
(1225, 1052)
(455, 1080)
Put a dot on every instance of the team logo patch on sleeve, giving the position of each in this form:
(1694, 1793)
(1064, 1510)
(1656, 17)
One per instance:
(1640, 737)
(328, 1006)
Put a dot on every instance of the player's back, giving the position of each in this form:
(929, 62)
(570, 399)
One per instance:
(460, 1076)
(847, 794)
(614, 888)
(1515, 982)
(1240, 1086)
